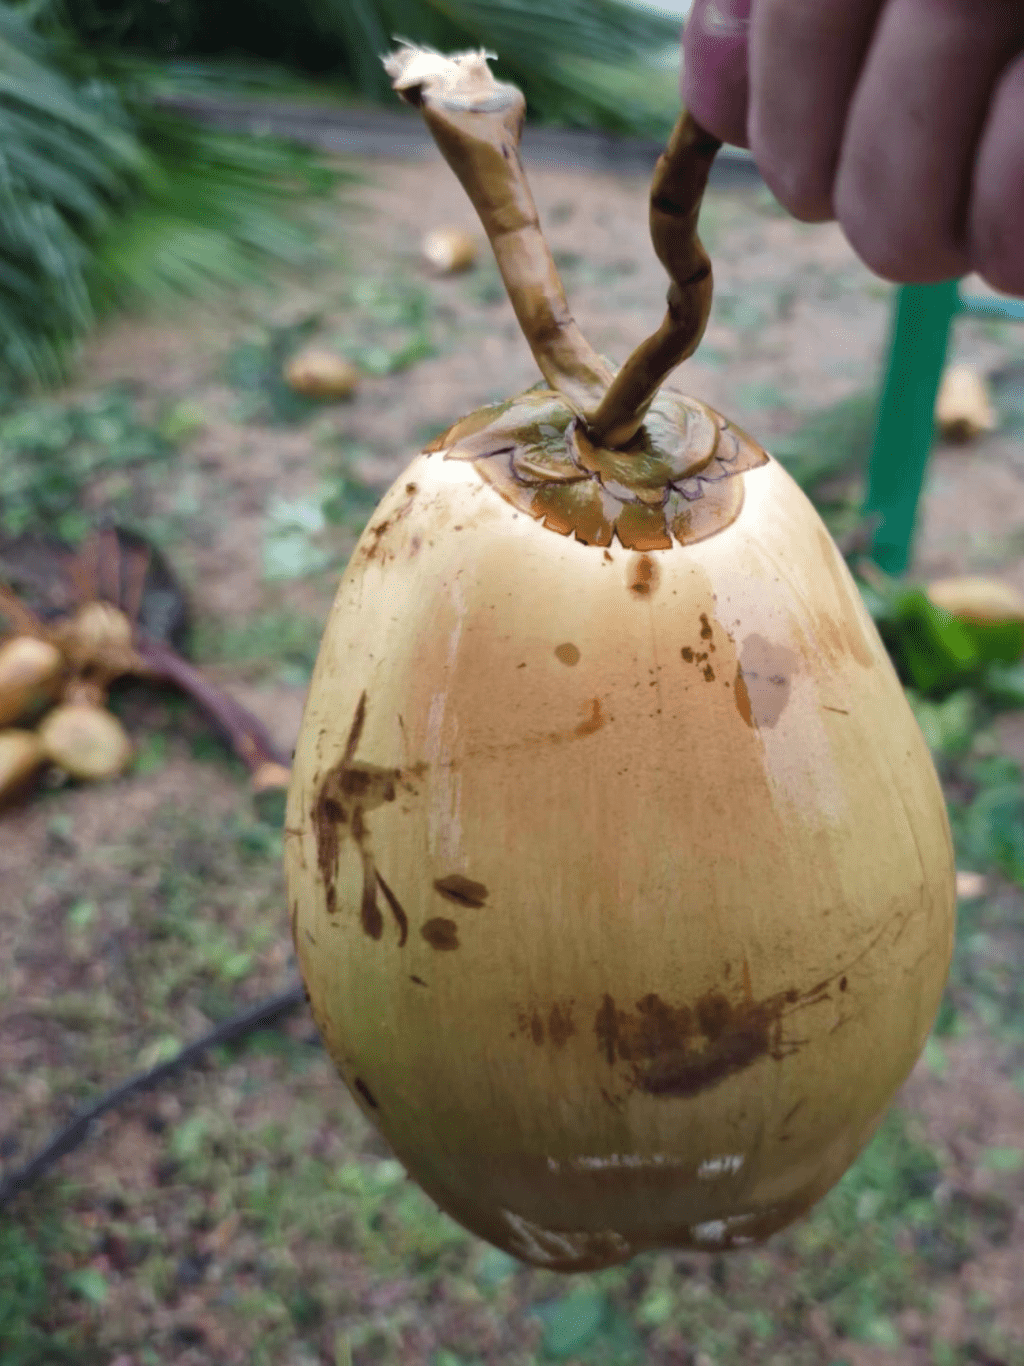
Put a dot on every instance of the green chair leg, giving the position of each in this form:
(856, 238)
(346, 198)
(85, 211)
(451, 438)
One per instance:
(922, 318)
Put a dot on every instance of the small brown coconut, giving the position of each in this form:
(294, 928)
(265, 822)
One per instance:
(21, 754)
(978, 599)
(449, 251)
(86, 741)
(963, 409)
(98, 638)
(318, 373)
(30, 670)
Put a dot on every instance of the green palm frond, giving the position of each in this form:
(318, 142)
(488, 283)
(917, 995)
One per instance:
(67, 158)
(105, 201)
(209, 214)
(553, 49)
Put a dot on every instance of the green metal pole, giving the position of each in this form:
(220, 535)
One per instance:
(922, 316)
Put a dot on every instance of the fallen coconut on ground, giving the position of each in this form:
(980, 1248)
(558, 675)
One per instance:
(963, 408)
(973, 597)
(21, 756)
(30, 672)
(85, 739)
(320, 374)
(449, 251)
(618, 869)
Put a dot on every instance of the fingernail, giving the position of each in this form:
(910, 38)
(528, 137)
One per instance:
(725, 18)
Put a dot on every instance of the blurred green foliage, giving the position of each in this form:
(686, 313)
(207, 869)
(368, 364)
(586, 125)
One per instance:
(106, 201)
(26, 1338)
(578, 61)
(53, 454)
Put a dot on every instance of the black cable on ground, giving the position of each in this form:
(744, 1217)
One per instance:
(263, 1015)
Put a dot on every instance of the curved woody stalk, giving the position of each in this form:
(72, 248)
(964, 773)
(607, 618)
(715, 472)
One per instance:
(601, 454)
(477, 123)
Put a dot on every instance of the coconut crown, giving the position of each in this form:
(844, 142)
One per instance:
(594, 453)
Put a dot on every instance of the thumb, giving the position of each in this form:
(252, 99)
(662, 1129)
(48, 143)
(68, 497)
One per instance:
(714, 77)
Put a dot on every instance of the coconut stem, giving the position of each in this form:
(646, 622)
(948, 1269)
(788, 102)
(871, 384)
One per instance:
(477, 123)
(249, 738)
(21, 620)
(678, 187)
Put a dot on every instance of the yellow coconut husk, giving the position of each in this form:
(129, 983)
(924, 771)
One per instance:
(963, 408)
(86, 741)
(21, 755)
(30, 671)
(318, 373)
(449, 251)
(618, 869)
(98, 638)
(976, 598)
(629, 929)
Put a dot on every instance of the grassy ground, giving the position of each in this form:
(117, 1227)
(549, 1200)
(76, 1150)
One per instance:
(247, 1214)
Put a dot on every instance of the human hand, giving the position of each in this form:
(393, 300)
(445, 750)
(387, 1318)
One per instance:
(902, 119)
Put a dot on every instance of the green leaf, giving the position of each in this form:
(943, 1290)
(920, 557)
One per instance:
(1002, 1159)
(105, 199)
(88, 1284)
(948, 726)
(494, 1267)
(935, 1057)
(880, 1332)
(657, 1308)
(236, 966)
(188, 1138)
(571, 1323)
(82, 914)
(290, 548)
(159, 1051)
(1004, 685)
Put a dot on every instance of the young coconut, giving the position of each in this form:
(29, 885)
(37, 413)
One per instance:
(21, 754)
(30, 671)
(976, 598)
(619, 873)
(83, 738)
(320, 374)
(449, 251)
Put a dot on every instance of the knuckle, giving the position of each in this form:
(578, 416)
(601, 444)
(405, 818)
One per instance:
(805, 191)
(998, 257)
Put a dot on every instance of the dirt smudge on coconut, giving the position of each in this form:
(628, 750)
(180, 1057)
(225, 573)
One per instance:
(374, 544)
(680, 1051)
(462, 890)
(557, 1028)
(742, 697)
(441, 934)
(594, 721)
(644, 577)
(366, 1093)
(347, 794)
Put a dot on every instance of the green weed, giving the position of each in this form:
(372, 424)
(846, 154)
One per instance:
(256, 367)
(54, 454)
(274, 640)
(859, 1252)
(387, 326)
(27, 1337)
